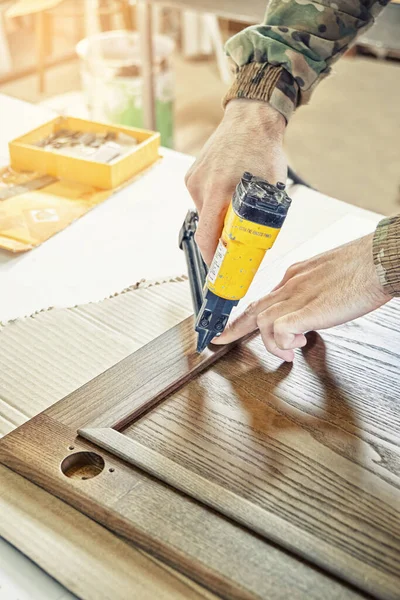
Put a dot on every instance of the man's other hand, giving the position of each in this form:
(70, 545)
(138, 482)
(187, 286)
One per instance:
(324, 291)
(249, 138)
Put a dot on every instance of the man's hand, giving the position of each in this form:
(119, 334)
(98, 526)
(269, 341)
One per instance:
(249, 138)
(324, 291)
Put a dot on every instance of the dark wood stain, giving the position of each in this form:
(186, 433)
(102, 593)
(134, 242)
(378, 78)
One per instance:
(214, 552)
(316, 443)
(314, 446)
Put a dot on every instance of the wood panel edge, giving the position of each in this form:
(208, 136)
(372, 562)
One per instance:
(92, 405)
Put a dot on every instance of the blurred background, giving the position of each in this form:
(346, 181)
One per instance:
(84, 58)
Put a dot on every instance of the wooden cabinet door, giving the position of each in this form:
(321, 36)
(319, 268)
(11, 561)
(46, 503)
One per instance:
(304, 456)
(257, 479)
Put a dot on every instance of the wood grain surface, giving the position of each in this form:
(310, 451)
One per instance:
(206, 547)
(139, 381)
(307, 456)
(296, 447)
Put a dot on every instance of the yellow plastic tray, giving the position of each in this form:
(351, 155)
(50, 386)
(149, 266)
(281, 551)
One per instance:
(26, 157)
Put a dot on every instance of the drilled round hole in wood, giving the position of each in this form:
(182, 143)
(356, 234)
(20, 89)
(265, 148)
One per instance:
(71, 447)
(111, 470)
(82, 465)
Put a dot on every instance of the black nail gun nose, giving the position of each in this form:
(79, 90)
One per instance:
(197, 268)
(198, 271)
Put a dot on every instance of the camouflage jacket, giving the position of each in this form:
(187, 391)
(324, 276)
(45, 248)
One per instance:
(282, 60)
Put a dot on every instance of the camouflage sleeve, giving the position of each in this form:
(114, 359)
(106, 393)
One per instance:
(282, 60)
(386, 249)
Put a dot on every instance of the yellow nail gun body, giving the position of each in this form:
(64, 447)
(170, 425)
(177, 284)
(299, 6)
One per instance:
(252, 224)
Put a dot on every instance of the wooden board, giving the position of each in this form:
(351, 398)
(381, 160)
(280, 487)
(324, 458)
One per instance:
(302, 436)
(48, 356)
(155, 516)
(205, 546)
(217, 553)
(63, 349)
(96, 565)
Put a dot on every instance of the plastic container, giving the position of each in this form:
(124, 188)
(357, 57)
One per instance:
(111, 78)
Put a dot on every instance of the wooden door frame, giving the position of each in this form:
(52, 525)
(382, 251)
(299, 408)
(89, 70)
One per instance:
(38, 449)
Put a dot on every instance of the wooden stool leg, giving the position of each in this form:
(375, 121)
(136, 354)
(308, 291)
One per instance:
(145, 28)
(212, 26)
(40, 48)
(127, 15)
(5, 54)
(92, 21)
(104, 16)
(48, 34)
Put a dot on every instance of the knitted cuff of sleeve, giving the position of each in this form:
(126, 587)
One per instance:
(269, 83)
(386, 251)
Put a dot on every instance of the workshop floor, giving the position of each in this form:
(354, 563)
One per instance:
(345, 143)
